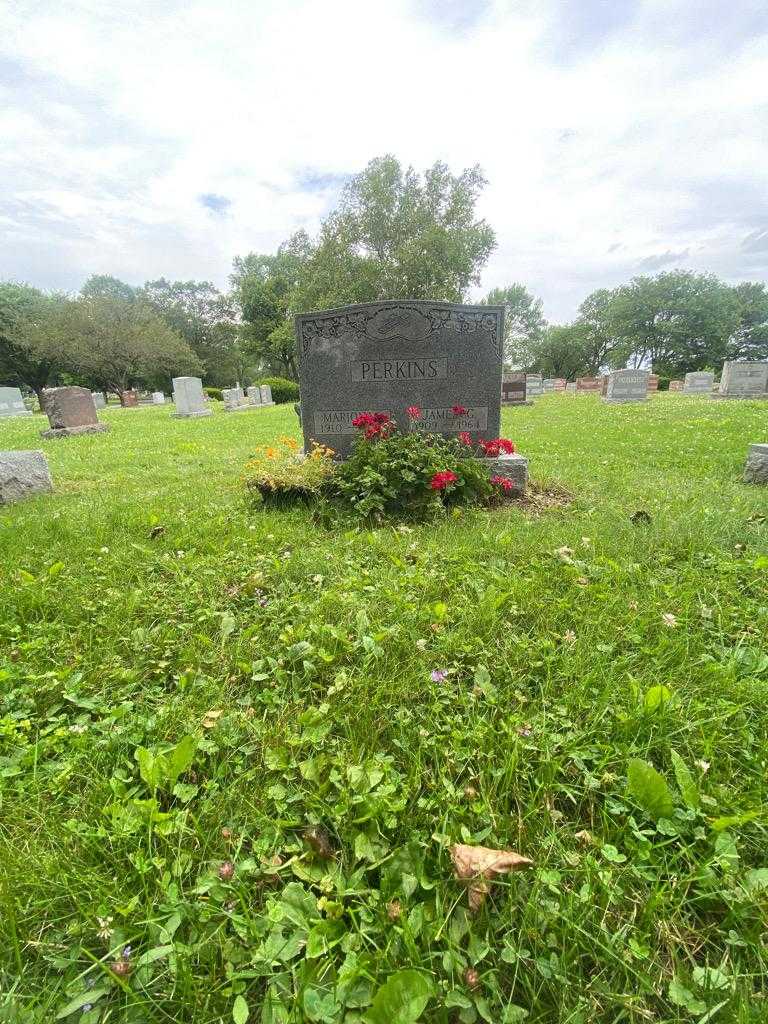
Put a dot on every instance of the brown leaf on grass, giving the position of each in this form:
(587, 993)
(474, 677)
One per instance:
(479, 865)
(319, 840)
(211, 718)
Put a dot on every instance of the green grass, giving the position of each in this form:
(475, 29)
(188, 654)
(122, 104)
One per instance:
(143, 594)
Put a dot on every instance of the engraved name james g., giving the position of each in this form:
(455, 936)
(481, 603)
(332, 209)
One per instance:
(410, 368)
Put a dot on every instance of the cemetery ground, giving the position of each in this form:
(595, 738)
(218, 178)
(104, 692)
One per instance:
(585, 685)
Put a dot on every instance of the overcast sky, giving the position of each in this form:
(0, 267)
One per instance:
(160, 138)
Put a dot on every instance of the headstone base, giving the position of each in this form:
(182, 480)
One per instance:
(23, 474)
(511, 405)
(756, 469)
(512, 467)
(622, 401)
(191, 415)
(91, 428)
(241, 408)
(741, 398)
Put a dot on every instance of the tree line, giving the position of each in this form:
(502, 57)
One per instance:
(395, 234)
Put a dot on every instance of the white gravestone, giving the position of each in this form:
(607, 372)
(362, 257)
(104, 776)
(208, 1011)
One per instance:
(11, 403)
(158, 398)
(698, 383)
(188, 397)
(743, 380)
(627, 386)
(534, 385)
(266, 394)
(254, 394)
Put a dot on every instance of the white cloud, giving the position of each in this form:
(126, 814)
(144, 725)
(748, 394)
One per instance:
(608, 138)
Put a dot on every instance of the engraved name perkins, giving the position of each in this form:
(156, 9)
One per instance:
(408, 368)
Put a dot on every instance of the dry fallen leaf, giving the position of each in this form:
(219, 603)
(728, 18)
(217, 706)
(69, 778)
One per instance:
(320, 841)
(479, 865)
(211, 718)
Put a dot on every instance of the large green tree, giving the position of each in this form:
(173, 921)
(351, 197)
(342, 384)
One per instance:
(31, 352)
(524, 324)
(116, 343)
(563, 352)
(750, 339)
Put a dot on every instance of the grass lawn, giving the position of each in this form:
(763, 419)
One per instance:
(143, 603)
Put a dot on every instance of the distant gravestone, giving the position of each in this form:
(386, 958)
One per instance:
(254, 394)
(188, 398)
(266, 394)
(698, 383)
(548, 384)
(11, 403)
(570, 389)
(158, 398)
(588, 385)
(130, 400)
(71, 411)
(653, 382)
(627, 386)
(560, 383)
(235, 401)
(389, 356)
(534, 385)
(756, 469)
(675, 385)
(99, 400)
(743, 380)
(23, 474)
(514, 389)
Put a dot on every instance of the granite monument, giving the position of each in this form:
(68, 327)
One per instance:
(743, 380)
(12, 403)
(626, 386)
(188, 398)
(23, 474)
(70, 411)
(698, 383)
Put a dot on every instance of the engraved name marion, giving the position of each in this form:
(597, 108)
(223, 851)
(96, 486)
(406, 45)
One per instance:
(391, 370)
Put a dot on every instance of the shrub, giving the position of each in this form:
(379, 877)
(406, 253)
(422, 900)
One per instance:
(283, 390)
(214, 393)
(392, 472)
(664, 383)
(282, 473)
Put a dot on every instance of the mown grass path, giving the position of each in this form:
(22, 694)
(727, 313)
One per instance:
(143, 602)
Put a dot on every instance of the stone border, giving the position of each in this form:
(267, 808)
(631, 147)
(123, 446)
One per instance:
(91, 428)
(191, 415)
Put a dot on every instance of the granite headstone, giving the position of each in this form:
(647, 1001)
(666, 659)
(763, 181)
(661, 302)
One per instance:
(12, 403)
(743, 380)
(254, 394)
(71, 411)
(99, 400)
(22, 474)
(188, 398)
(627, 386)
(698, 383)
(158, 398)
(534, 385)
(130, 399)
(653, 383)
(266, 394)
(589, 385)
(676, 385)
(514, 390)
(756, 469)
(388, 356)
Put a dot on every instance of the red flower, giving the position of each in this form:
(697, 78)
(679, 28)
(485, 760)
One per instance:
(503, 482)
(375, 424)
(465, 437)
(459, 410)
(414, 412)
(491, 449)
(441, 480)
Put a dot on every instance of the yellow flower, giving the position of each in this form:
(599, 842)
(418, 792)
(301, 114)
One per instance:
(271, 453)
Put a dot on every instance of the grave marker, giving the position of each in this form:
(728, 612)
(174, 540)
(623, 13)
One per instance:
(676, 385)
(23, 474)
(99, 400)
(743, 380)
(626, 386)
(188, 398)
(588, 385)
(71, 411)
(514, 389)
(653, 383)
(158, 398)
(534, 385)
(698, 383)
(756, 469)
(266, 394)
(11, 403)
(254, 394)
(387, 356)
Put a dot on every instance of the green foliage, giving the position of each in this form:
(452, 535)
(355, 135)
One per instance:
(281, 473)
(401, 999)
(282, 390)
(162, 770)
(524, 324)
(649, 788)
(214, 393)
(392, 476)
(31, 352)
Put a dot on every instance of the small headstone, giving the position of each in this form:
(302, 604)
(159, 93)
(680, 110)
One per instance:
(266, 394)
(548, 384)
(627, 386)
(756, 469)
(99, 400)
(676, 385)
(158, 398)
(71, 411)
(534, 385)
(570, 389)
(23, 474)
(560, 383)
(512, 467)
(653, 382)
(11, 403)
(130, 400)
(254, 394)
(698, 383)
(743, 380)
(389, 356)
(514, 389)
(235, 401)
(589, 385)
(188, 397)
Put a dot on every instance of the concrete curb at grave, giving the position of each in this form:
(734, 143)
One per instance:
(756, 469)
(191, 415)
(22, 475)
(93, 428)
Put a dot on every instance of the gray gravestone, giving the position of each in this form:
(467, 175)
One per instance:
(698, 383)
(756, 469)
(11, 403)
(254, 394)
(158, 398)
(627, 386)
(534, 385)
(388, 356)
(548, 384)
(70, 411)
(188, 398)
(235, 400)
(266, 394)
(570, 389)
(23, 474)
(99, 400)
(743, 380)
(513, 389)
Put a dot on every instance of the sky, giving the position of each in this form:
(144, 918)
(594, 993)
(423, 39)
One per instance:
(619, 137)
